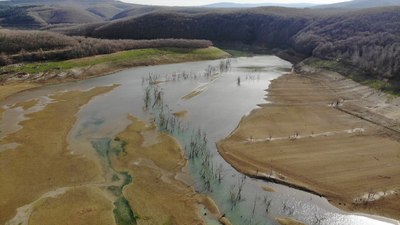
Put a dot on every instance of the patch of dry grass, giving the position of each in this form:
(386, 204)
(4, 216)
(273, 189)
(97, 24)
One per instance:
(78, 206)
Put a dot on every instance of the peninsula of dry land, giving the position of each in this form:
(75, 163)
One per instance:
(325, 134)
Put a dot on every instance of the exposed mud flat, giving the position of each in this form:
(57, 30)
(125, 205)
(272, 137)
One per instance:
(13, 88)
(45, 184)
(156, 195)
(326, 134)
(78, 206)
(41, 162)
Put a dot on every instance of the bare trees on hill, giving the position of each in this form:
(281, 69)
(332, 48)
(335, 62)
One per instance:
(18, 46)
(366, 39)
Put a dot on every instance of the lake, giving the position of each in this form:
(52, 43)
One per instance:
(211, 102)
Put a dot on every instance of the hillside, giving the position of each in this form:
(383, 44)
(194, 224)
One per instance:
(249, 27)
(44, 14)
(38, 14)
(136, 11)
(367, 39)
(29, 46)
(239, 5)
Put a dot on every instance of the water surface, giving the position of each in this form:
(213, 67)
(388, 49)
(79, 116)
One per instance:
(216, 110)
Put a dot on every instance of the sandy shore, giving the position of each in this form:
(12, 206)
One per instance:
(325, 134)
(156, 194)
(41, 162)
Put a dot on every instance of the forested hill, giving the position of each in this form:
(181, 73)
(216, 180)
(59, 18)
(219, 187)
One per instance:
(368, 39)
(35, 14)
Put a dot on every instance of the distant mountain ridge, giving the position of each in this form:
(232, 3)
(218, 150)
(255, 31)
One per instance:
(362, 4)
(239, 5)
(61, 1)
(42, 13)
(354, 4)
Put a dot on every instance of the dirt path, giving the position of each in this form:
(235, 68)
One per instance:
(325, 134)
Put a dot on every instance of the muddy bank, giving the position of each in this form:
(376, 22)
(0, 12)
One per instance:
(140, 177)
(7, 90)
(327, 134)
(17, 80)
(41, 161)
(100, 65)
(157, 194)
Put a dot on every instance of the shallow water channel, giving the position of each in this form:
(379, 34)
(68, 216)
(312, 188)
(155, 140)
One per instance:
(214, 105)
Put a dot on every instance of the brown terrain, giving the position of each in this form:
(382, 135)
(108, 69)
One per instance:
(77, 206)
(157, 195)
(41, 162)
(43, 183)
(325, 134)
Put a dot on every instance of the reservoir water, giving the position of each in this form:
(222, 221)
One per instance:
(213, 105)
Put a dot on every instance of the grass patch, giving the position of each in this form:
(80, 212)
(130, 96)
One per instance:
(168, 222)
(115, 190)
(387, 87)
(123, 213)
(150, 56)
(106, 148)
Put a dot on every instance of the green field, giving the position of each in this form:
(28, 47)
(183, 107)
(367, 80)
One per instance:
(122, 59)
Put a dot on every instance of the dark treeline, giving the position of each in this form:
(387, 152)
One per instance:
(247, 28)
(18, 46)
(368, 39)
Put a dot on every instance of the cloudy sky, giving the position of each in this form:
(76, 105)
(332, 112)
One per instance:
(205, 2)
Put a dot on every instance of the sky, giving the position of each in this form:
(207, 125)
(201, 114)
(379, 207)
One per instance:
(205, 2)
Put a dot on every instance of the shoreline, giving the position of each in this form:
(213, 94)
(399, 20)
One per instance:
(248, 161)
(157, 194)
(30, 81)
(15, 86)
(100, 65)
